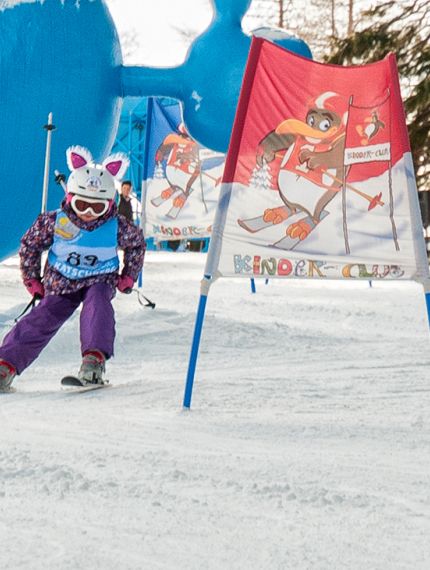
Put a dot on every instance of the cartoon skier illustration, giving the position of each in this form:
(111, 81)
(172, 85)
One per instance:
(311, 168)
(183, 169)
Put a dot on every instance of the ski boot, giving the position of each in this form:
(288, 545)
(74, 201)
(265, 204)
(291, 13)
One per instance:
(7, 374)
(92, 367)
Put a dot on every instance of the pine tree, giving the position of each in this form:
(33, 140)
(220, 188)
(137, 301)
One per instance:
(402, 27)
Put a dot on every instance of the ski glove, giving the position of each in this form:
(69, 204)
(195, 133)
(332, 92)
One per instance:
(125, 284)
(35, 288)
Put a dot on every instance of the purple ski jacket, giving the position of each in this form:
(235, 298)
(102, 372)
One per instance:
(40, 236)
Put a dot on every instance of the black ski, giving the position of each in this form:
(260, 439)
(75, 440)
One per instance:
(73, 383)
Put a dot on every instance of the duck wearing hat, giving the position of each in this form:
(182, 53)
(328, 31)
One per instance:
(311, 162)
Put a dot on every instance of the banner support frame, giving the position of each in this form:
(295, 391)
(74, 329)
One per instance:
(205, 284)
(211, 269)
(425, 283)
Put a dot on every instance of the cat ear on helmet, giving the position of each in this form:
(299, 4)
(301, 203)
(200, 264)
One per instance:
(117, 164)
(77, 157)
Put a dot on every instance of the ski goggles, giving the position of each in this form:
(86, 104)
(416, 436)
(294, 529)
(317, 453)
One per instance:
(89, 206)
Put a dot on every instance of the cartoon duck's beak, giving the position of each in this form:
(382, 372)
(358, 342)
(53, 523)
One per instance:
(173, 138)
(295, 127)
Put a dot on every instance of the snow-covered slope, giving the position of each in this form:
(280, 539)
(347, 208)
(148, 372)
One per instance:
(307, 445)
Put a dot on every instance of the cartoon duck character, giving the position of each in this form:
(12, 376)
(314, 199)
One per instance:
(183, 165)
(371, 127)
(311, 167)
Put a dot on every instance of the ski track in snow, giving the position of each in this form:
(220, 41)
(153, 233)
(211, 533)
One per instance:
(307, 445)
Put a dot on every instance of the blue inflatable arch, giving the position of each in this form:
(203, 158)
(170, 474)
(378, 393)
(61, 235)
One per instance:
(64, 57)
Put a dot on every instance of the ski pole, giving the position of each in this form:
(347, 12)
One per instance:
(61, 180)
(216, 180)
(49, 127)
(30, 305)
(373, 200)
(139, 295)
(148, 303)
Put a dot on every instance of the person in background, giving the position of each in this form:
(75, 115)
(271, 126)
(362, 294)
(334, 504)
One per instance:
(124, 207)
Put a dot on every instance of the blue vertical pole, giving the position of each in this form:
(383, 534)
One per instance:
(253, 289)
(148, 127)
(196, 342)
(427, 295)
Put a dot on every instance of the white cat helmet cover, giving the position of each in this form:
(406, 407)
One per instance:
(91, 180)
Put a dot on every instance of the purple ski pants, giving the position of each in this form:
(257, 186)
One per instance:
(31, 334)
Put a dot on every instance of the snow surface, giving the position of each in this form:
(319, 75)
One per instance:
(307, 445)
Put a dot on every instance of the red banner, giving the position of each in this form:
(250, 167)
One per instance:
(319, 175)
(293, 104)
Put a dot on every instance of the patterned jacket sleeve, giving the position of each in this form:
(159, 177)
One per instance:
(37, 239)
(130, 239)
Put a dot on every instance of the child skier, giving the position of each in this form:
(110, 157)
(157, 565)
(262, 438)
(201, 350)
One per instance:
(82, 267)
